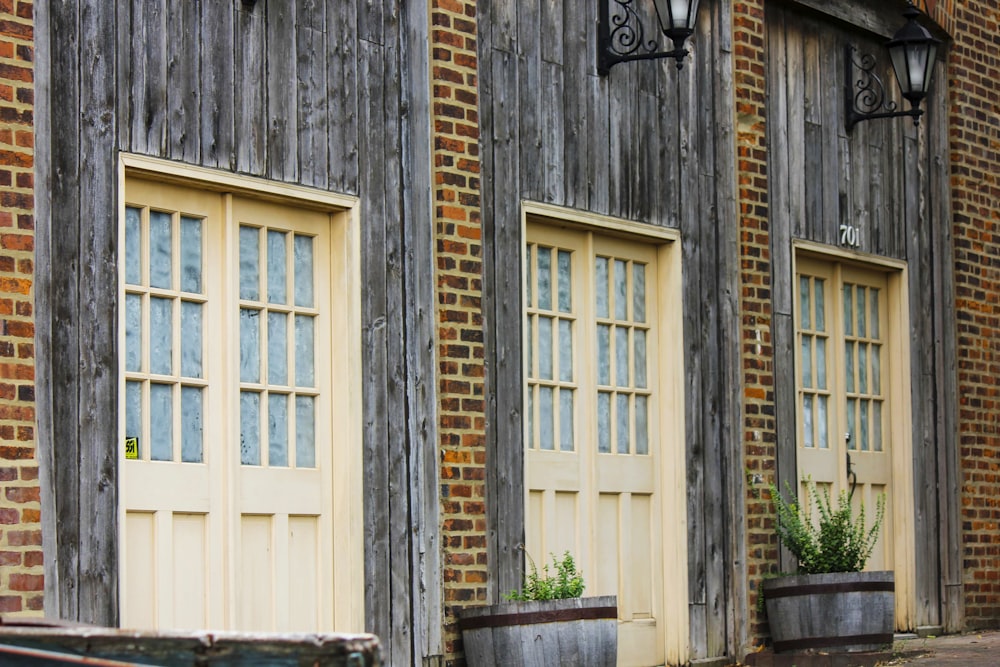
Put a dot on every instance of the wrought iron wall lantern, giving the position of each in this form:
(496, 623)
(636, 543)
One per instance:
(913, 51)
(621, 37)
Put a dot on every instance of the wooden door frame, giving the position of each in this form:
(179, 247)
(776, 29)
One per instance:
(897, 369)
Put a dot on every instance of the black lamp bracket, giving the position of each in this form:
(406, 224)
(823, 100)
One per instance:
(621, 38)
(865, 96)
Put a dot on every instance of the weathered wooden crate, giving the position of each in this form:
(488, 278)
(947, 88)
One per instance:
(840, 612)
(577, 632)
(110, 647)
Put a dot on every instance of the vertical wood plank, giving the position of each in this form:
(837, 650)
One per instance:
(378, 499)
(217, 107)
(183, 24)
(282, 100)
(311, 72)
(249, 114)
(342, 98)
(149, 95)
(98, 361)
(577, 22)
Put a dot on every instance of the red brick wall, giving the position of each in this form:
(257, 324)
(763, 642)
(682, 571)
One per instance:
(759, 445)
(974, 69)
(459, 292)
(20, 530)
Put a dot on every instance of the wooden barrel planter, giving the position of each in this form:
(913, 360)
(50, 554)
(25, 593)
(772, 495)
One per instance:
(841, 612)
(575, 631)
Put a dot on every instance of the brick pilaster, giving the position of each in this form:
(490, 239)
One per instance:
(759, 443)
(20, 528)
(461, 409)
(974, 70)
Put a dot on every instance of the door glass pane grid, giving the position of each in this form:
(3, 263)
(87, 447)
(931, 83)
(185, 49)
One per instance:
(623, 399)
(551, 323)
(277, 317)
(814, 390)
(164, 338)
(863, 367)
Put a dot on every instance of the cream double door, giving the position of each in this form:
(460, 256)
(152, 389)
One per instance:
(853, 414)
(226, 480)
(601, 429)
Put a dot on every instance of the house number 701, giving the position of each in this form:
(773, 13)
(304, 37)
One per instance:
(849, 236)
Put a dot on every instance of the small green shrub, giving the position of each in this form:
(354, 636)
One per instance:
(567, 582)
(839, 543)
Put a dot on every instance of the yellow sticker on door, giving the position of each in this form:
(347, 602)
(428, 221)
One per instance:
(131, 448)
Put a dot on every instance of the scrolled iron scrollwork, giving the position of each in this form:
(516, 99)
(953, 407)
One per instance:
(627, 32)
(868, 91)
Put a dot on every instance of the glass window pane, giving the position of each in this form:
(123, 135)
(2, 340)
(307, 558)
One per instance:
(848, 310)
(874, 321)
(276, 267)
(565, 278)
(133, 246)
(160, 228)
(821, 363)
(249, 263)
(305, 432)
(863, 426)
(529, 279)
(192, 449)
(277, 348)
(303, 258)
(621, 356)
(862, 368)
(133, 332)
(566, 420)
(807, 421)
(305, 359)
(277, 429)
(545, 348)
(862, 311)
(249, 345)
(849, 365)
(852, 432)
(805, 310)
(161, 422)
(604, 422)
(531, 347)
(191, 339)
(545, 278)
(641, 425)
(546, 419)
(822, 423)
(249, 428)
(190, 254)
(639, 357)
(622, 418)
(639, 292)
(531, 443)
(161, 335)
(565, 351)
(820, 300)
(133, 413)
(876, 369)
(621, 290)
(807, 361)
(877, 426)
(601, 270)
(603, 354)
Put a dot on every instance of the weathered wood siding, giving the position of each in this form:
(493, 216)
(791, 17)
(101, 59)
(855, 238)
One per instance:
(888, 178)
(324, 94)
(647, 143)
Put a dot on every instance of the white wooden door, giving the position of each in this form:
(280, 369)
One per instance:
(283, 493)
(228, 510)
(593, 451)
(852, 365)
(172, 478)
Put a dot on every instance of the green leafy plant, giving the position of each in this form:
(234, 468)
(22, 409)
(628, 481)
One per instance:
(566, 582)
(838, 542)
